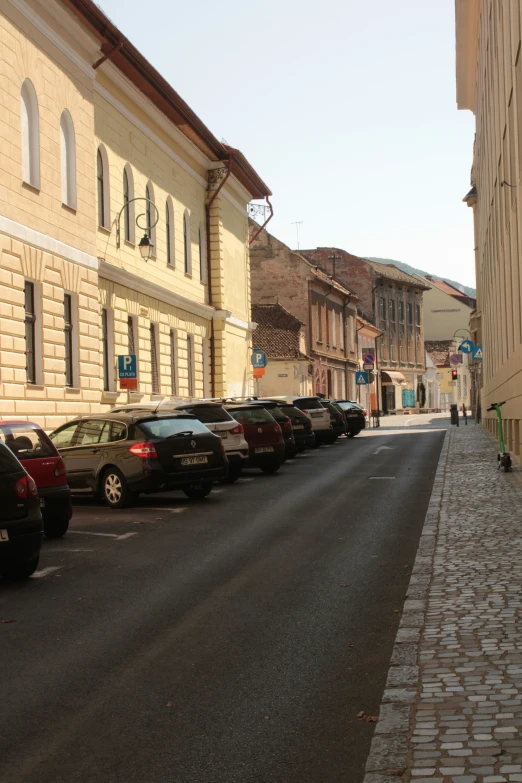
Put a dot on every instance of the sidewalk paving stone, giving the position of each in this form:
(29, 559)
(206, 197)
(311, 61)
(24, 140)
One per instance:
(452, 708)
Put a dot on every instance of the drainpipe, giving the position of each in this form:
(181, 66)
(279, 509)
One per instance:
(269, 218)
(209, 278)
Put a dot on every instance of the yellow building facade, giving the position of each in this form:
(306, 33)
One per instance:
(489, 83)
(91, 139)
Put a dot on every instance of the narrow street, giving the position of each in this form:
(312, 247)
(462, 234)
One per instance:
(230, 640)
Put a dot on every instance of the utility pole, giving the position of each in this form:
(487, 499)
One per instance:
(297, 223)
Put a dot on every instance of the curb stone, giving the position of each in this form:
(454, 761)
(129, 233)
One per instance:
(388, 757)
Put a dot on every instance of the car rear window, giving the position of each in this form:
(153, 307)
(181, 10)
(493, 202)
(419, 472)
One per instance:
(8, 463)
(308, 403)
(348, 406)
(294, 413)
(166, 427)
(209, 414)
(277, 413)
(26, 442)
(253, 415)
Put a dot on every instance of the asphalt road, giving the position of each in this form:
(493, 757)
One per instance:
(231, 640)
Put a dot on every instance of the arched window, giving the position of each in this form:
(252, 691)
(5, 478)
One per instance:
(169, 225)
(150, 214)
(202, 254)
(30, 135)
(186, 244)
(128, 195)
(102, 175)
(68, 159)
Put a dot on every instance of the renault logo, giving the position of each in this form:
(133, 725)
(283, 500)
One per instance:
(193, 444)
(259, 429)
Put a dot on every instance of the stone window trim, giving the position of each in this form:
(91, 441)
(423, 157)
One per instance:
(155, 367)
(30, 132)
(107, 335)
(190, 366)
(174, 362)
(103, 188)
(33, 333)
(68, 159)
(71, 340)
(187, 244)
(170, 233)
(206, 366)
(129, 215)
(202, 239)
(150, 216)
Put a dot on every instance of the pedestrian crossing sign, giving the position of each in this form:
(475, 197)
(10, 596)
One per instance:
(361, 378)
(476, 353)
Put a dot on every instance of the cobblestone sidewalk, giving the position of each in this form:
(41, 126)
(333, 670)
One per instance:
(452, 708)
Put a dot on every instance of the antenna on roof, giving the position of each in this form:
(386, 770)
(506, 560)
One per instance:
(297, 223)
(157, 406)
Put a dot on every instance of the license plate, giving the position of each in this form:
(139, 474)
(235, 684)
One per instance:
(298, 426)
(4, 535)
(42, 503)
(223, 434)
(263, 449)
(194, 460)
(318, 415)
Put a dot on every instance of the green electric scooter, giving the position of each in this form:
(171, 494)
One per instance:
(504, 460)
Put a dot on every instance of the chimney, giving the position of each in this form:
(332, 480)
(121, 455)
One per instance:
(429, 277)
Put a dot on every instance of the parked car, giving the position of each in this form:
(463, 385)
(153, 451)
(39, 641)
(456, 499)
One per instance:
(266, 447)
(21, 527)
(318, 415)
(337, 420)
(284, 422)
(39, 456)
(217, 419)
(354, 415)
(301, 424)
(119, 455)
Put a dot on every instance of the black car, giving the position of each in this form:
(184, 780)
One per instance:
(301, 425)
(354, 417)
(118, 455)
(21, 528)
(284, 422)
(337, 420)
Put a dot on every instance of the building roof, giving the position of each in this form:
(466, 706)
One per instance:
(365, 324)
(451, 290)
(149, 81)
(394, 273)
(439, 351)
(277, 331)
(322, 275)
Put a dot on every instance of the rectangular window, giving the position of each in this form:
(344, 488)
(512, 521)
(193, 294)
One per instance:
(30, 333)
(410, 313)
(382, 307)
(401, 311)
(465, 386)
(173, 363)
(392, 311)
(105, 348)
(206, 373)
(130, 334)
(318, 323)
(190, 364)
(417, 315)
(341, 331)
(154, 363)
(392, 349)
(334, 339)
(352, 335)
(68, 335)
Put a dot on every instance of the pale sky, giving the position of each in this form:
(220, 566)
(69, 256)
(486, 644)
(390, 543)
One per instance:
(346, 109)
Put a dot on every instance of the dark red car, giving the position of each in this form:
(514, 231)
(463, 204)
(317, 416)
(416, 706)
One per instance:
(266, 446)
(40, 458)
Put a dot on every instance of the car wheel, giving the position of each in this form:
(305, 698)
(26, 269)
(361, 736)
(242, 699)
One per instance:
(56, 526)
(317, 444)
(355, 433)
(273, 467)
(234, 472)
(115, 491)
(13, 573)
(198, 491)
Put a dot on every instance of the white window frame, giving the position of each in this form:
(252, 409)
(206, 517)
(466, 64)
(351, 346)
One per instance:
(106, 213)
(170, 231)
(68, 159)
(131, 215)
(30, 133)
(187, 244)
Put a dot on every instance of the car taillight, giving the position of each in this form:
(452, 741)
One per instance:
(222, 446)
(60, 468)
(25, 487)
(145, 450)
(237, 430)
(287, 425)
(277, 429)
(305, 411)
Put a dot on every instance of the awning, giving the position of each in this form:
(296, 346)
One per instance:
(392, 378)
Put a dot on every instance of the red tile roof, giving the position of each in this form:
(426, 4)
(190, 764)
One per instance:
(277, 331)
(439, 350)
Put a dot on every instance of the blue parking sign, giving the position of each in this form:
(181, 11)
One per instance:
(127, 366)
(258, 358)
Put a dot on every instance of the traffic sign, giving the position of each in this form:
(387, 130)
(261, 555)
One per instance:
(259, 372)
(368, 358)
(477, 354)
(361, 378)
(258, 358)
(455, 359)
(466, 346)
(368, 366)
(128, 371)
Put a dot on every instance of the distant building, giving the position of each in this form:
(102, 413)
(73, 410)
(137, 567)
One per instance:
(447, 310)
(282, 337)
(458, 391)
(326, 307)
(367, 336)
(392, 300)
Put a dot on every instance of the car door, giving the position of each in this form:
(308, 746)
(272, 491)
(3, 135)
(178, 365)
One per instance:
(85, 455)
(63, 438)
